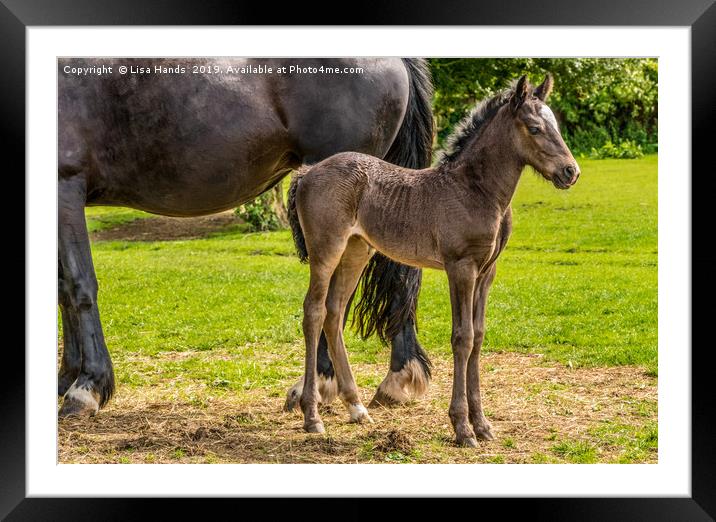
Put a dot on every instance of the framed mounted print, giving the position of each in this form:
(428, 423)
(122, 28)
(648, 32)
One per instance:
(499, 202)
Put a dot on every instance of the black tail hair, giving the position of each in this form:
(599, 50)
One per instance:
(383, 279)
(413, 146)
(298, 239)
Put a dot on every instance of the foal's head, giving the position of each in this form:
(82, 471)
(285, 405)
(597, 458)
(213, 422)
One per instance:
(538, 138)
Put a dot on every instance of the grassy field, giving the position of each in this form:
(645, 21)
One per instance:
(213, 325)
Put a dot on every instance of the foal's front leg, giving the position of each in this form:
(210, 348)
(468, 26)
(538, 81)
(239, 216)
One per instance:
(461, 276)
(480, 424)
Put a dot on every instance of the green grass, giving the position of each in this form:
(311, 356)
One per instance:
(576, 452)
(578, 279)
(577, 283)
(635, 442)
(608, 442)
(100, 218)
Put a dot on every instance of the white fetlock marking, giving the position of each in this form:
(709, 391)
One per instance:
(84, 396)
(417, 379)
(409, 383)
(392, 387)
(358, 413)
(327, 389)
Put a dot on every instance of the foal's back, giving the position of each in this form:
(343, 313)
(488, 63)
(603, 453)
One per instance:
(399, 212)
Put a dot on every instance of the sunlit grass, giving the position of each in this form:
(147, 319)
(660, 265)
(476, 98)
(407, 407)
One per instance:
(577, 283)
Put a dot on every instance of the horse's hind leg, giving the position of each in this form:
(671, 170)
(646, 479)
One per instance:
(479, 423)
(94, 384)
(409, 373)
(343, 284)
(327, 386)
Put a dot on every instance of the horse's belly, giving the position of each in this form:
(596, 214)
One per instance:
(185, 196)
(206, 179)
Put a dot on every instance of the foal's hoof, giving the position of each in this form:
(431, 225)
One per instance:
(359, 414)
(483, 430)
(484, 433)
(314, 427)
(468, 442)
(79, 402)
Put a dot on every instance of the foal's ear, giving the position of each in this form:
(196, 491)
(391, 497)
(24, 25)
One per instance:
(520, 94)
(542, 92)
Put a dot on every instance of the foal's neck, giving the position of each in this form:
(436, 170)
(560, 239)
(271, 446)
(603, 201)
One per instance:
(491, 166)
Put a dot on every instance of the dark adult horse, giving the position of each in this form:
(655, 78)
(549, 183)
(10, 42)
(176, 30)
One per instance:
(188, 137)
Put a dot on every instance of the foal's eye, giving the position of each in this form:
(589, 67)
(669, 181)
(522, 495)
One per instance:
(533, 130)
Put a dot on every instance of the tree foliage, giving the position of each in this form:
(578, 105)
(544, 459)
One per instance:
(597, 100)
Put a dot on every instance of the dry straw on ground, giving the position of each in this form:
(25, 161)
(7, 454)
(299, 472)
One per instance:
(533, 406)
(540, 411)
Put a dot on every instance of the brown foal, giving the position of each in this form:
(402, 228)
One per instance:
(455, 216)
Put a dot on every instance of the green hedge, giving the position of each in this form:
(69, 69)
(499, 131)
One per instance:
(598, 101)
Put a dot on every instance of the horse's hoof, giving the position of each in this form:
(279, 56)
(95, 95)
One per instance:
(79, 402)
(64, 381)
(359, 414)
(402, 386)
(327, 392)
(293, 397)
(468, 442)
(314, 427)
(383, 399)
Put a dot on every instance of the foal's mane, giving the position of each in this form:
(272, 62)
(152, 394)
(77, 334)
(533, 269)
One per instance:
(471, 125)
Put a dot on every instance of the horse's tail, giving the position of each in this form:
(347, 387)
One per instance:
(413, 146)
(298, 239)
(384, 279)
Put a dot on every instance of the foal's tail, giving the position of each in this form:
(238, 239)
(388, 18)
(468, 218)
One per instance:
(389, 290)
(298, 238)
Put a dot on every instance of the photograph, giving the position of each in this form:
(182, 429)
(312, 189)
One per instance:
(429, 255)
(357, 260)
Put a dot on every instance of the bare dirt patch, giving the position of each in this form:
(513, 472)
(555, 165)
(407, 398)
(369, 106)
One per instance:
(162, 228)
(532, 406)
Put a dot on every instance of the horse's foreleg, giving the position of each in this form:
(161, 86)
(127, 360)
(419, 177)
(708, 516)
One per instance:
(343, 284)
(461, 277)
(71, 355)
(94, 384)
(409, 372)
(477, 418)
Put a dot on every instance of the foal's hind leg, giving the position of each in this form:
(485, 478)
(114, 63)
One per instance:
(323, 260)
(95, 382)
(479, 423)
(343, 284)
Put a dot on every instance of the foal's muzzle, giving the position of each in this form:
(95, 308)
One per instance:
(567, 177)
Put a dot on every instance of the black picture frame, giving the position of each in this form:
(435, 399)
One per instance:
(700, 15)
